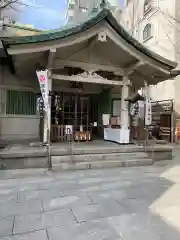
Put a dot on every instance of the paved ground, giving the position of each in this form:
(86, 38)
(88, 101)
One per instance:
(116, 204)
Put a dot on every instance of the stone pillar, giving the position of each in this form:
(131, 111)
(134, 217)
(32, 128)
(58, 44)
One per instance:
(176, 120)
(125, 132)
(124, 104)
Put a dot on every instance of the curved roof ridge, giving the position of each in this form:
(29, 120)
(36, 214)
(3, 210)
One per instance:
(21, 27)
(56, 33)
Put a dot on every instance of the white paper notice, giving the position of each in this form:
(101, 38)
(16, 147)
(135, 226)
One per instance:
(81, 128)
(95, 124)
(68, 129)
(105, 118)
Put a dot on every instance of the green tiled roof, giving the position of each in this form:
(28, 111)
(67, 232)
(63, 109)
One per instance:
(103, 15)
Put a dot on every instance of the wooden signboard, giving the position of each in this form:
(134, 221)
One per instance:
(82, 136)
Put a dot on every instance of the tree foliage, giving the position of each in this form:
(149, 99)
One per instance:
(7, 3)
(4, 4)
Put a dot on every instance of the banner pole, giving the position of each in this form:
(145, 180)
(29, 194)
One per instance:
(45, 86)
(48, 146)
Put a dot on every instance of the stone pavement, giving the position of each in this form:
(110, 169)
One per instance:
(115, 204)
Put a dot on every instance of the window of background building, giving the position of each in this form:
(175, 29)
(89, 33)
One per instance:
(83, 9)
(147, 32)
(94, 10)
(127, 2)
(71, 6)
(83, 6)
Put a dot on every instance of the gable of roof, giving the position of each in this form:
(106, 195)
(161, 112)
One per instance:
(103, 15)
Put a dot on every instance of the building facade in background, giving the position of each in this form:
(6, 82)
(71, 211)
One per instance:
(156, 24)
(79, 11)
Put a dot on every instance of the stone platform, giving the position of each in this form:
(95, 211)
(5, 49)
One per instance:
(95, 154)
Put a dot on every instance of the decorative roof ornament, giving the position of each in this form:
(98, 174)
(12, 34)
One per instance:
(102, 37)
(91, 75)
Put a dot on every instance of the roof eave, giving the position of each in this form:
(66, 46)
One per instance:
(118, 28)
(104, 15)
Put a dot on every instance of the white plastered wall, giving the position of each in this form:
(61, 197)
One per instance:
(17, 127)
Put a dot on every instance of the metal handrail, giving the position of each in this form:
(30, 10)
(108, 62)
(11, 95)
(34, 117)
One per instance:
(146, 142)
(70, 141)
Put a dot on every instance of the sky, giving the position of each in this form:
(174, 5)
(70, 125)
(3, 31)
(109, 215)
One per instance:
(121, 3)
(48, 14)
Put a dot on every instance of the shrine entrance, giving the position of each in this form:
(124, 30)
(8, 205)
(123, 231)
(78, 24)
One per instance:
(83, 54)
(72, 117)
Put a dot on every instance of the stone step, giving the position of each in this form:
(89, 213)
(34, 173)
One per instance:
(101, 164)
(98, 157)
(80, 151)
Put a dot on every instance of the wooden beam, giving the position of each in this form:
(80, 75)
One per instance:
(9, 59)
(89, 66)
(51, 56)
(133, 67)
(88, 79)
(74, 90)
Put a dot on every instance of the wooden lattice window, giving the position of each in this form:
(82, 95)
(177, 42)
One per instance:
(20, 102)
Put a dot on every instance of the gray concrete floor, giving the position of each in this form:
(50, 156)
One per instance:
(115, 204)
